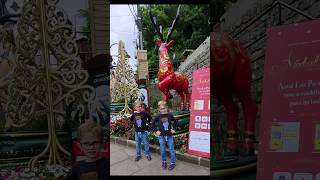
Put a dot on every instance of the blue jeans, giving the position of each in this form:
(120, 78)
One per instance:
(142, 137)
(163, 140)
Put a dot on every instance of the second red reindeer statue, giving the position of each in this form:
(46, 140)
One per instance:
(231, 75)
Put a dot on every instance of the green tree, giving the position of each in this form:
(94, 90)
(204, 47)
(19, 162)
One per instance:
(191, 30)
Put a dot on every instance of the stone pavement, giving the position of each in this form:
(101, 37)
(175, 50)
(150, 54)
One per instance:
(122, 163)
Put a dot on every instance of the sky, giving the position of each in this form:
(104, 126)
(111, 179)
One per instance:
(123, 27)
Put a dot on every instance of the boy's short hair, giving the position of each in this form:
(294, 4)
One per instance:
(162, 103)
(90, 127)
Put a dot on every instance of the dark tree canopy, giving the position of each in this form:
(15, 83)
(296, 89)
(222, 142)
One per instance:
(191, 30)
(218, 8)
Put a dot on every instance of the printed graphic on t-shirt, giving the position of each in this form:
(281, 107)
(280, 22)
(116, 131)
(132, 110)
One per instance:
(89, 176)
(165, 123)
(164, 119)
(138, 121)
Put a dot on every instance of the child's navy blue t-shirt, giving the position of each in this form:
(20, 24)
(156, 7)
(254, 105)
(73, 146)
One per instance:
(97, 170)
(141, 121)
(164, 123)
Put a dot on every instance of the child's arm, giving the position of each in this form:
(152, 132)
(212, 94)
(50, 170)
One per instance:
(174, 122)
(154, 126)
(149, 119)
(132, 117)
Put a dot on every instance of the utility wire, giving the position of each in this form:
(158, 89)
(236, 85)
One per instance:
(135, 18)
(134, 10)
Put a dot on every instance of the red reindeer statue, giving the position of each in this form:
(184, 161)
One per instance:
(231, 75)
(168, 78)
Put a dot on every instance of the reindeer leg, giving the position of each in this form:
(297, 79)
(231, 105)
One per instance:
(224, 92)
(187, 95)
(166, 97)
(164, 85)
(165, 92)
(182, 101)
(242, 87)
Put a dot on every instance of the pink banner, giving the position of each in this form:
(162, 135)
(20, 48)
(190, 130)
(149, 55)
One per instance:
(199, 127)
(290, 119)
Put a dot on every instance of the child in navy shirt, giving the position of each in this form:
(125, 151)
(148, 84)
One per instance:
(141, 121)
(164, 126)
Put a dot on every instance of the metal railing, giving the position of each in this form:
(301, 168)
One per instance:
(277, 4)
(280, 6)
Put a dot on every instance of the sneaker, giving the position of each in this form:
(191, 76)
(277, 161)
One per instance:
(137, 158)
(149, 158)
(171, 167)
(164, 165)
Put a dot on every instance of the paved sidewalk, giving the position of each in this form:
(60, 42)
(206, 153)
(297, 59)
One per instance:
(122, 163)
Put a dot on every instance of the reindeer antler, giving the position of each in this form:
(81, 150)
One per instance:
(173, 23)
(155, 25)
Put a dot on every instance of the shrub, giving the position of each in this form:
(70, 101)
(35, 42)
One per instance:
(56, 172)
(122, 127)
(153, 139)
(181, 142)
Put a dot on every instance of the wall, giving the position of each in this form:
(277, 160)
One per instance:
(198, 59)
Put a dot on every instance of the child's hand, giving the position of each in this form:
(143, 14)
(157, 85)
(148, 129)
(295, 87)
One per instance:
(158, 133)
(172, 131)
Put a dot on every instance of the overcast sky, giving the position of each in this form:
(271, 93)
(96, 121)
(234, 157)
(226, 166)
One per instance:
(122, 27)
